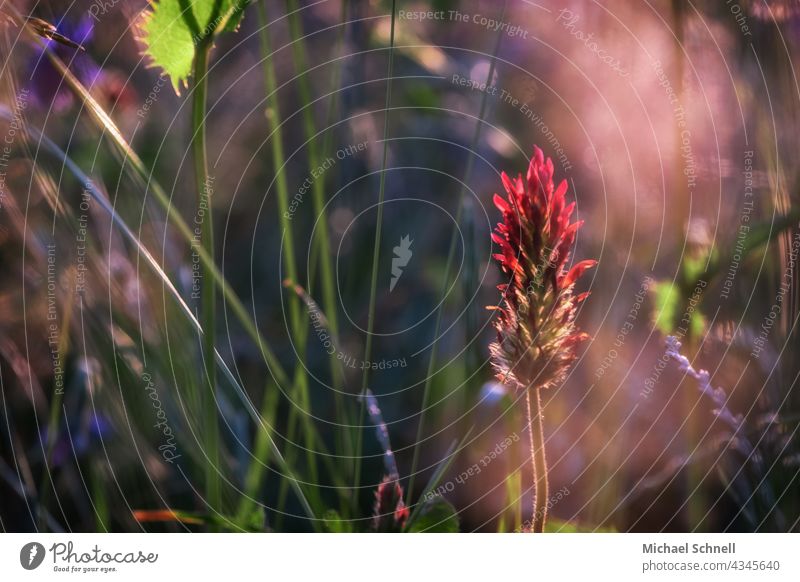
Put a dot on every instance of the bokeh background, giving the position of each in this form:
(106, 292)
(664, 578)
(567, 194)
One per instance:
(675, 124)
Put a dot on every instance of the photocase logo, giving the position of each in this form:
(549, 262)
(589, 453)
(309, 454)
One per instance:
(31, 555)
(402, 254)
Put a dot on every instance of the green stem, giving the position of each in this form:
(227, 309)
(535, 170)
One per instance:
(374, 282)
(261, 451)
(533, 400)
(56, 409)
(146, 179)
(150, 261)
(451, 252)
(208, 405)
(318, 187)
(321, 240)
(302, 400)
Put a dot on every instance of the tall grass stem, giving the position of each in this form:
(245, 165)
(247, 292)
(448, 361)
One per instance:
(375, 255)
(451, 252)
(208, 400)
(300, 407)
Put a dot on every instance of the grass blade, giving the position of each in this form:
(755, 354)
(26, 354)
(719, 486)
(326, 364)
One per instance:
(141, 173)
(128, 234)
(449, 264)
(320, 241)
(440, 471)
(298, 327)
(374, 281)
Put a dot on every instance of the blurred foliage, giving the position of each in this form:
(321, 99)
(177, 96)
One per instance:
(91, 460)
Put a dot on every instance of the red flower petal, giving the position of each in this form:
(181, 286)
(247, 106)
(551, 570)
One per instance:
(576, 271)
(509, 186)
(501, 204)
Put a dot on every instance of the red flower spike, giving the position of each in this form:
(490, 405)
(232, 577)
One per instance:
(390, 512)
(536, 332)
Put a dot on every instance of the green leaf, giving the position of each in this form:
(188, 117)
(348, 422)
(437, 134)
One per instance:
(756, 236)
(436, 516)
(172, 29)
(666, 306)
(669, 309)
(234, 16)
(697, 323)
(441, 469)
(694, 267)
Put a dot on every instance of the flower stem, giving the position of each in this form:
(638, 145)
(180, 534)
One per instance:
(538, 459)
(208, 401)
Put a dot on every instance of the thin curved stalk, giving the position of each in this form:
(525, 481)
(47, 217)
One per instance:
(261, 451)
(129, 155)
(151, 262)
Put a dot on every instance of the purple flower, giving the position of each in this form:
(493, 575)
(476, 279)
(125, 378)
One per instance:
(80, 439)
(48, 89)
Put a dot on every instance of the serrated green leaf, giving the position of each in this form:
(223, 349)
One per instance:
(436, 516)
(234, 16)
(172, 29)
